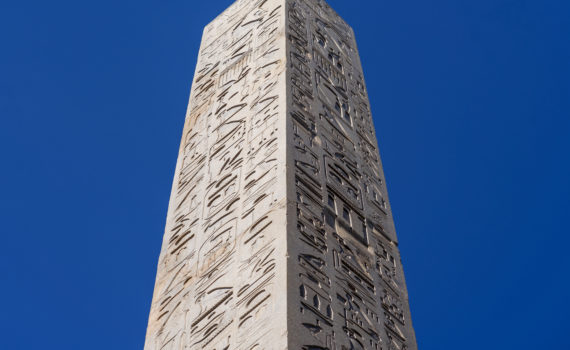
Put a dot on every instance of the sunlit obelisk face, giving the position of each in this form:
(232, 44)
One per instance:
(279, 232)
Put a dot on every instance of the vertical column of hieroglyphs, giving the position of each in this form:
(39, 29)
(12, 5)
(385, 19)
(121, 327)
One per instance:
(218, 282)
(347, 288)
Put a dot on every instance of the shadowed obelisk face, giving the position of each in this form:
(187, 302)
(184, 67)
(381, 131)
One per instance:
(279, 233)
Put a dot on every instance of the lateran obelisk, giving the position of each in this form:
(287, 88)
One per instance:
(279, 233)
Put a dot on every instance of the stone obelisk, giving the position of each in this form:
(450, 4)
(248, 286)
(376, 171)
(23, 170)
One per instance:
(279, 232)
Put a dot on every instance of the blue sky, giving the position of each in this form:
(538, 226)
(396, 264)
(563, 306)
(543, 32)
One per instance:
(471, 102)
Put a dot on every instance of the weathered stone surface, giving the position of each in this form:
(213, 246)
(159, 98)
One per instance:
(279, 233)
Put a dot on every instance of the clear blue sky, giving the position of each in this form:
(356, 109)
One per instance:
(471, 101)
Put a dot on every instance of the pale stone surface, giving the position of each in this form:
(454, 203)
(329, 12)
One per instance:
(279, 233)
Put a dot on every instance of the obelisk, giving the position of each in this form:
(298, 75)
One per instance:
(279, 232)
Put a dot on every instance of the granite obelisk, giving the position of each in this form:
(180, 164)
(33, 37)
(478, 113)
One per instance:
(279, 232)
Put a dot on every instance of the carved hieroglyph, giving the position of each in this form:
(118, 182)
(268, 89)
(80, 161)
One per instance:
(279, 232)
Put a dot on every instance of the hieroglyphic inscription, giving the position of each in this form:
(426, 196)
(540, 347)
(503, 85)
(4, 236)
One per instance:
(279, 233)
(217, 282)
(351, 291)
